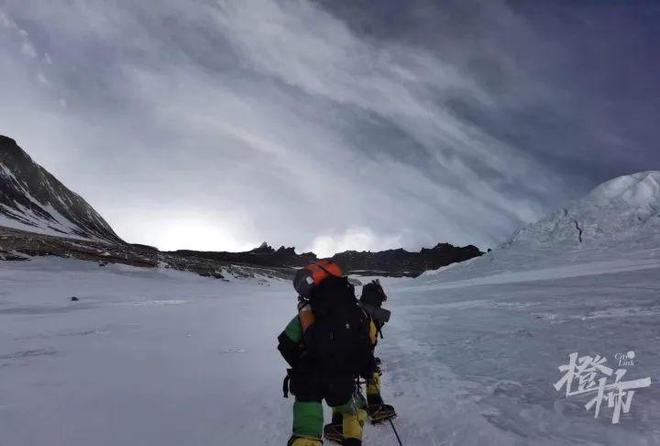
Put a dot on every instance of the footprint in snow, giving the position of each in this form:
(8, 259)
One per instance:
(228, 351)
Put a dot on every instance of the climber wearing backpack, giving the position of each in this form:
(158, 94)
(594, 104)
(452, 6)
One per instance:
(371, 302)
(328, 348)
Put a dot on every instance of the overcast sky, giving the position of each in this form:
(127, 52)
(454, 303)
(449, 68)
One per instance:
(330, 125)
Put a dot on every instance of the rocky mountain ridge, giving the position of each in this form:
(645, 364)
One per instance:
(39, 216)
(31, 199)
(393, 262)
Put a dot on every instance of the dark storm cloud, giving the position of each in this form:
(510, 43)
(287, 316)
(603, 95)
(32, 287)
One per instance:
(574, 82)
(329, 125)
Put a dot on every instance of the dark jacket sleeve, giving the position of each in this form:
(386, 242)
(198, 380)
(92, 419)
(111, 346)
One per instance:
(291, 343)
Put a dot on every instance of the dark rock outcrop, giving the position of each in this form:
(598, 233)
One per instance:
(264, 255)
(34, 200)
(393, 262)
(18, 245)
(399, 262)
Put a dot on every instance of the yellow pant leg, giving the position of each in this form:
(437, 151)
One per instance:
(373, 384)
(353, 418)
(306, 442)
(354, 423)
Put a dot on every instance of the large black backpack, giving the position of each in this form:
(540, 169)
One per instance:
(340, 334)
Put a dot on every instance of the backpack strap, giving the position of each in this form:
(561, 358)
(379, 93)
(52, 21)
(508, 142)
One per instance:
(285, 384)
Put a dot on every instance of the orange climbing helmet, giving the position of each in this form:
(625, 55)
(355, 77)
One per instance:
(313, 274)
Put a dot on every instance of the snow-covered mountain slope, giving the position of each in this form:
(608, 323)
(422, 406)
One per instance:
(624, 208)
(156, 356)
(614, 228)
(470, 356)
(33, 200)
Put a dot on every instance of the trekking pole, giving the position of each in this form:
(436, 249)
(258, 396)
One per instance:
(395, 432)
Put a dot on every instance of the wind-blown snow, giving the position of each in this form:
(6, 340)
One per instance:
(169, 358)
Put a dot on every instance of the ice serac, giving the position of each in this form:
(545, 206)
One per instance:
(33, 200)
(623, 209)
